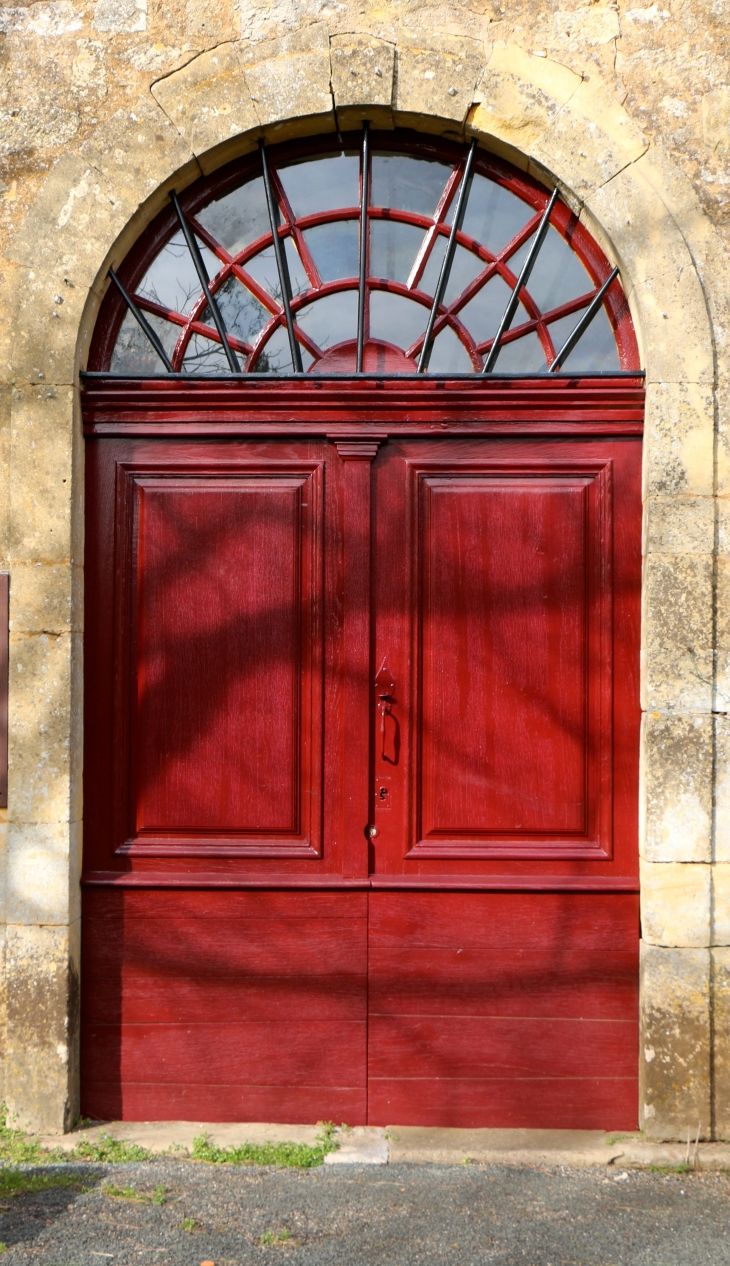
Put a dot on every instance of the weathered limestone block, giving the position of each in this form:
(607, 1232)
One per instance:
(591, 139)
(362, 70)
(289, 83)
(41, 1075)
(676, 801)
(679, 439)
(721, 1029)
(209, 102)
(720, 904)
(73, 222)
(43, 720)
(722, 789)
(518, 98)
(674, 325)
(142, 155)
(675, 904)
(47, 598)
(675, 1042)
(41, 489)
(46, 325)
(43, 869)
(716, 119)
(722, 632)
(5, 404)
(677, 654)
(679, 525)
(437, 84)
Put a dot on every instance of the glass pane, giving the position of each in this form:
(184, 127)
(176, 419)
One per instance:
(595, 350)
(263, 270)
(448, 355)
(482, 314)
(242, 314)
(408, 184)
(393, 249)
(239, 218)
(524, 356)
(493, 215)
(205, 357)
(321, 184)
(335, 249)
(134, 354)
(558, 275)
(395, 319)
(332, 319)
(276, 356)
(464, 268)
(171, 280)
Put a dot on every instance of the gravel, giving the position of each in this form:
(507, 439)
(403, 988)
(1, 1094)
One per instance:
(395, 1214)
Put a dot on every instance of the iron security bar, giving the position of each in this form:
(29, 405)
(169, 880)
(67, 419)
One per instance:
(448, 259)
(521, 281)
(202, 272)
(281, 266)
(143, 323)
(362, 282)
(583, 324)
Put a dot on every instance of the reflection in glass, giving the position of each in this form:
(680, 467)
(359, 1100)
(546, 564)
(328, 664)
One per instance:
(134, 354)
(322, 183)
(393, 249)
(396, 319)
(557, 275)
(448, 355)
(203, 356)
(239, 218)
(335, 249)
(171, 279)
(524, 356)
(464, 268)
(482, 314)
(242, 314)
(330, 320)
(596, 349)
(493, 215)
(263, 270)
(276, 355)
(410, 184)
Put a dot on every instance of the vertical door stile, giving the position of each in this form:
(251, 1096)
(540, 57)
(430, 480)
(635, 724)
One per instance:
(357, 453)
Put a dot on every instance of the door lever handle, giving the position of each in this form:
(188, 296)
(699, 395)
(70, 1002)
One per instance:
(385, 688)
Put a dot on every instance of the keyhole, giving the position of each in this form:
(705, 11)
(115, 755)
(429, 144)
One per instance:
(383, 793)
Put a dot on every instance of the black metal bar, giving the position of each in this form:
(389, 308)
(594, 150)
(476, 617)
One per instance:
(197, 258)
(448, 260)
(583, 324)
(521, 281)
(296, 355)
(364, 203)
(143, 323)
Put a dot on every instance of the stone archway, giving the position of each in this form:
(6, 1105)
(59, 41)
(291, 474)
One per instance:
(93, 205)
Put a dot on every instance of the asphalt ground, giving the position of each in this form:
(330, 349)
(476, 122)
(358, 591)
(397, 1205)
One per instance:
(403, 1215)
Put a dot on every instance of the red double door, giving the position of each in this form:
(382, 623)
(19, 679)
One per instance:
(361, 780)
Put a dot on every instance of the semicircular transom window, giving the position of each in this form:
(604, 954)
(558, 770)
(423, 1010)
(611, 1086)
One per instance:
(380, 253)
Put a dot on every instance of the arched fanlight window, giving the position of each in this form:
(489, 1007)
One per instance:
(375, 253)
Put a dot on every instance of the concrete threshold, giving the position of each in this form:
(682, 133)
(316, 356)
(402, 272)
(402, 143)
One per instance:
(418, 1145)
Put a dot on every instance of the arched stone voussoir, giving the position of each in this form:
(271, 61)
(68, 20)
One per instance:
(362, 70)
(434, 87)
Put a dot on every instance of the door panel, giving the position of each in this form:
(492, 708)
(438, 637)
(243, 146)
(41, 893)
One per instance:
(495, 620)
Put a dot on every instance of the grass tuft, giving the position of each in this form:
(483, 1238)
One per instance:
(672, 1169)
(130, 1193)
(275, 1237)
(15, 1182)
(282, 1155)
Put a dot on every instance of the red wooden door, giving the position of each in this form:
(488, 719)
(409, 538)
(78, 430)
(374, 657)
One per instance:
(505, 707)
(251, 949)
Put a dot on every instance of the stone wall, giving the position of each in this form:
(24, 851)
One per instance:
(104, 106)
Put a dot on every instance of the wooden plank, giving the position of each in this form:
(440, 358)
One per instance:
(139, 1101)
(539, 921)
(295, 1053)
(495, 1046)
(146, 904)
(595, 984)
(590, 1103)
(141, 996)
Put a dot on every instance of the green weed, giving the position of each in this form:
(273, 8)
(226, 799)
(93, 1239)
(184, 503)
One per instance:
(188, 1224)
(282, 1155)
(275, 1237)
(130, 1193)
(108, 1150)
(14, 1182)
(671, 1169)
